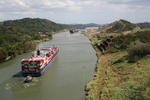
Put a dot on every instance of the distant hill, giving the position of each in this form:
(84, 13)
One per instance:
(118, 26)
(34, 24)
(144, 25)
(82, 25)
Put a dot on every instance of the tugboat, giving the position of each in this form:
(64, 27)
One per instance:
(39, 62)
(28, 79)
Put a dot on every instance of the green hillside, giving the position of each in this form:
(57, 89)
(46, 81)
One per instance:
(20, 36)
(118, 27)
(36, 24)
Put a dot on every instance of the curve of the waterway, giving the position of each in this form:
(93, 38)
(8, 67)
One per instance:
(65, 79)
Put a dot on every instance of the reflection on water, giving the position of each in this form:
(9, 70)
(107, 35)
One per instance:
(65, 78)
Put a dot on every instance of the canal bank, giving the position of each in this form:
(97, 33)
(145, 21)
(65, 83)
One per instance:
(95, 87)
(116, 77)
(64, 80)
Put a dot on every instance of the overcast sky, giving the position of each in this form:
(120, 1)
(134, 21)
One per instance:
(77, 11)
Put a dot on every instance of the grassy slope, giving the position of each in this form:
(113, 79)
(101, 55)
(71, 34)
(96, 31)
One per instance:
(121, 80)
(120, 26)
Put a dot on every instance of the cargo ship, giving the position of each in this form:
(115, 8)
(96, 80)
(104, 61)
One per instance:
(73, 31)
(39, 62)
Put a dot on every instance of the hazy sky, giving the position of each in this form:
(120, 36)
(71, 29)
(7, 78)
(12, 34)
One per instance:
(77, 11)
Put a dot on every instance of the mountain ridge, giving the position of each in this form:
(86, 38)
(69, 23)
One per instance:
(34, 24)
(118, 26)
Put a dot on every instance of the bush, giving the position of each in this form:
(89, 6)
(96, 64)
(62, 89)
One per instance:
(128, 91)
(143, 36)
(121, 42)
(2, 54)
(138, 52)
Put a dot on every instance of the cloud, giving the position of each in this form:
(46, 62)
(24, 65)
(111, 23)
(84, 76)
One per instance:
(131, 5)
(71, 8)
(71, 5)
(131, 2)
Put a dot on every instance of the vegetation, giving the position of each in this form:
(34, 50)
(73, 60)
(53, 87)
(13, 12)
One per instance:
(122, 73)
(121, 26)
(139, 51)
(118, 27)
(35, 25)
(144, 25)
(21, 36)
(123, 42)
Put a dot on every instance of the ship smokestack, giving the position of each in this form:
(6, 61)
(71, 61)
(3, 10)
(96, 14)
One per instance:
(38, 52)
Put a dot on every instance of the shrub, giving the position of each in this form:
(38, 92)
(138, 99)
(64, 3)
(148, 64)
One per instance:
(138, 52)
(143, 36)
(128, 91)
(121, 42)
(2, 54)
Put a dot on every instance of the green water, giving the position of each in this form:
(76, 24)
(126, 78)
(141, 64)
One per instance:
(65, 79)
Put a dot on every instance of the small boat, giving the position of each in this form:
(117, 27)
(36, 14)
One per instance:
(28, 79)
(39, 62)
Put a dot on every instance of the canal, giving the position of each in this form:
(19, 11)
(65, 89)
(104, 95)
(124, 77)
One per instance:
(65, 79)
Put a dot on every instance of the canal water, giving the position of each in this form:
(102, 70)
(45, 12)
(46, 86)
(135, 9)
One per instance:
(65, 79)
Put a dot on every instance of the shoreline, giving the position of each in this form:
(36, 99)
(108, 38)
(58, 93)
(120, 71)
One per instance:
(98, 54)
(94, 86)
(114, 75)
(34, 43)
